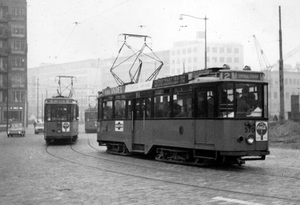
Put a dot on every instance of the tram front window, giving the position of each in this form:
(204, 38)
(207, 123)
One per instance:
(59, 113)
(242, 100)
(249, 100)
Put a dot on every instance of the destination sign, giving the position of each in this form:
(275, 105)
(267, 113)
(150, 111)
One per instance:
(114, 90)
(248, 76)
(56, 100)
(240, 75)
(174, 80)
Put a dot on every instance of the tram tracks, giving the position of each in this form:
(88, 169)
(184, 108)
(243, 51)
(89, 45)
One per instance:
(164, 175)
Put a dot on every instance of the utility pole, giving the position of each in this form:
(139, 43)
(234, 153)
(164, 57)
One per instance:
(37, 100)
(281, 78)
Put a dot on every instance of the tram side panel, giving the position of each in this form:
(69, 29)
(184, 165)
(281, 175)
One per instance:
(170, 133)
(227, 135)
(115, 131)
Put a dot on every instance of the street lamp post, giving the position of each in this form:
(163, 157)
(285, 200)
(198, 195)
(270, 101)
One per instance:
(205, 39)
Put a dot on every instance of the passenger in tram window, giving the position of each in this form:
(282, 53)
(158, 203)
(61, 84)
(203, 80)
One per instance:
(210, 107)
(242, 102)
(182, 113)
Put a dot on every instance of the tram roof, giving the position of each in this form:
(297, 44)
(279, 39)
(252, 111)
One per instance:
(216, 74)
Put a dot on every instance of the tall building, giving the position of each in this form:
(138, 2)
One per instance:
(13, 61)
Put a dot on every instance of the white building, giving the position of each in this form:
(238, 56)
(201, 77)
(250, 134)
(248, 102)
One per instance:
(189, 55)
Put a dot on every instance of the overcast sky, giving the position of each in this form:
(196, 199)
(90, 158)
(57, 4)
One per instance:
(62, 31)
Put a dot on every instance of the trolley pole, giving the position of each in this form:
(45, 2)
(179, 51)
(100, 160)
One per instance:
(281, 83)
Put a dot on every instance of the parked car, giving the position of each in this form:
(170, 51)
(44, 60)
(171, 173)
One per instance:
(16, 129)
(39, 127)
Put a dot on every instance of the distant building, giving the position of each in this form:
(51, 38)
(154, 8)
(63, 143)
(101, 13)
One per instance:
(291, 87)
(13, 61)
(189, 55)
(43, 83)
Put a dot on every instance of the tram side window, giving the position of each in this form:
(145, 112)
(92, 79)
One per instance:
(129, 109)
(147, 107)
(74, 113)
(48, 113)
(205, 103)
(120, 109)
(107, 109)
(162, 106)
(182, 105)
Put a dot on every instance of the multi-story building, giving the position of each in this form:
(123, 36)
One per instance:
(291, 87)
(13, 61)
(189, 55)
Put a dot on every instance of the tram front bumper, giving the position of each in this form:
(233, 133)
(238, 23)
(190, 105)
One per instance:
(247, 155)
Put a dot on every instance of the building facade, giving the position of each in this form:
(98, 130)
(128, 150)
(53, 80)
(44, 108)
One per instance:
(291, 87)
(43, 83)
(13, 61)
(187, 56)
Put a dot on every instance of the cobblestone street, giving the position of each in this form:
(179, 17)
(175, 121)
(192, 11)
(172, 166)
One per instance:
(33, 173)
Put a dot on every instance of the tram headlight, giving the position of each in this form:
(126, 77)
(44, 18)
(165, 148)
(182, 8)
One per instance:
(250, 139)
(58, 131)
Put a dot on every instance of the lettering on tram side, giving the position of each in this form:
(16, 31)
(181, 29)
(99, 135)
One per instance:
(115, 90)
(174, 80)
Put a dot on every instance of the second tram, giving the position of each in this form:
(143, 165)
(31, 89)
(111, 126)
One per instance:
(61, 119)
(90, 120)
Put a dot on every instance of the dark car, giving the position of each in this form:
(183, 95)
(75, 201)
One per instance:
(16, 129)
(39, 127)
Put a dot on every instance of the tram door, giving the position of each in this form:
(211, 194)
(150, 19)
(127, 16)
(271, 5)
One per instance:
(141, 113)
(205, 113)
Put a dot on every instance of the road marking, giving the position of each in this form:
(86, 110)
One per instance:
(219, 198)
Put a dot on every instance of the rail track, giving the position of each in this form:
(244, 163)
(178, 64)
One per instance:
(228, 180)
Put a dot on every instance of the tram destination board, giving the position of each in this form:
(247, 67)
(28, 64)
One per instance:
(174, 80)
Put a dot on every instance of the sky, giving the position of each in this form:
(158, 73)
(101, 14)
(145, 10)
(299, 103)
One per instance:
(61, 31)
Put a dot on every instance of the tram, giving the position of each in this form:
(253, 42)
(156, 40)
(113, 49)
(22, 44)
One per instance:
(61, 119)
(216, 115)
(90, 120)
(61, 115)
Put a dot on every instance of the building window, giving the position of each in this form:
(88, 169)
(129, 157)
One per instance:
(178, 52)
(189, 60)
(195, 50)
(173, 53)
(287, 95)
(18, 63)
(236, 60)
(221, 59)
(222, 50)
(229, 60)
(195, 59)
(189, 50)
(228, 50)
(275, 95)
(183, 51)
(236, 50)
(214, 59)
(18, 30)
(214, 49)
